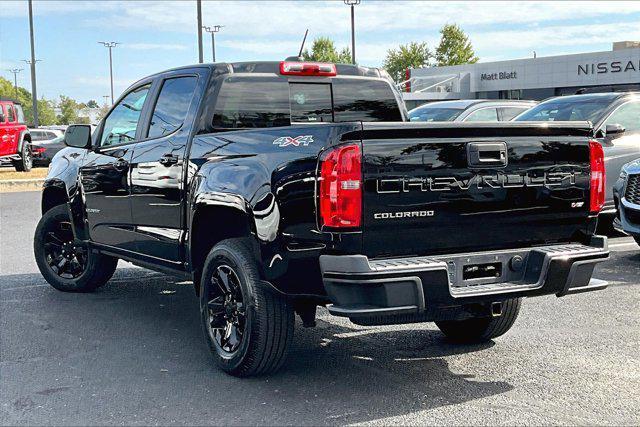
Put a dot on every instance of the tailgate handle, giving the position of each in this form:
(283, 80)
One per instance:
(487, 154)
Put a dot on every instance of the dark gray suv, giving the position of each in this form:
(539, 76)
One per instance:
(616, 119)
(626, 195)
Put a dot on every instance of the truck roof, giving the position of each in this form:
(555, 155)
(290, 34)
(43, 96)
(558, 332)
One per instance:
(269, 67)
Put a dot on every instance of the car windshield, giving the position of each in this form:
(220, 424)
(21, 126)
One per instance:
(590, 109)
(434, 114)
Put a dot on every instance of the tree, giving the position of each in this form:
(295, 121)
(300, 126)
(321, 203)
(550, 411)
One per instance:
(412, 55)
(323, 49)
(92, 104)
(69, 109)
(455, 47)
(46, 114)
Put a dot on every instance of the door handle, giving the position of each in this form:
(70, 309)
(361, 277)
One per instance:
(168, 159)
(120, 164)
(487, 154)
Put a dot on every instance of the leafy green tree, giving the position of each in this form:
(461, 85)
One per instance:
(324, 49)
(46, 115)
(455, 47)
(69, 109)
(92, 104)
(412, 55)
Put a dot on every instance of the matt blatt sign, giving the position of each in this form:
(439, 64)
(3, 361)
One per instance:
(609, 67)
(503, 75)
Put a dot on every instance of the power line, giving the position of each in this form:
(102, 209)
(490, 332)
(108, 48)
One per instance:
(15, 72)
(110, 45)
(213, 30)
(352, 4)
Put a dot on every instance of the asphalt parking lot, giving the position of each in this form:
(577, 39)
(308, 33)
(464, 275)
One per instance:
(131, 354)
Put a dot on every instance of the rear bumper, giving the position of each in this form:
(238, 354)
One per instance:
(359, 287)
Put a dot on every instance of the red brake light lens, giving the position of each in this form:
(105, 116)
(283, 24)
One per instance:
(598, 185)
(341, 187)
(39, 149)
(307, 69)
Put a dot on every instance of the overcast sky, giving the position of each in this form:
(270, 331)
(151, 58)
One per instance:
(157, 35)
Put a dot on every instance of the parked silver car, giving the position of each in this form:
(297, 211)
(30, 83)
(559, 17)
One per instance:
(470, 110)
(616, 120)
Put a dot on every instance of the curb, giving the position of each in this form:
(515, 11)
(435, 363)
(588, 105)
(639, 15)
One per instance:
(16, 185)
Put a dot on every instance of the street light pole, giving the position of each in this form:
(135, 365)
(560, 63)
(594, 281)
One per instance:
(34, 91)
(106, 97)
(15, 72)
(213, 30)
(199, 12)
(352, 3)
(110, 45)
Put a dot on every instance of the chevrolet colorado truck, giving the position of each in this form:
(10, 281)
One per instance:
(278, 187)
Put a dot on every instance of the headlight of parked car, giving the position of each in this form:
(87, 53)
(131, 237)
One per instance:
(623, 174)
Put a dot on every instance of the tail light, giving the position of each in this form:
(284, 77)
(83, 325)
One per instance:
(596, 155)
(407, 77)
(38, 150)
(341, 187)
(307, 69)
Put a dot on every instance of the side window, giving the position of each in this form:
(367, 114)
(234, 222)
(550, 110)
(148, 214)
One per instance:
(628, 115)
(483, 115)
(121, 124)
(36, 135)
(252, 102)
(20, 113)
(172, 105)
(1, 113)
(11, 114)
(509, 113)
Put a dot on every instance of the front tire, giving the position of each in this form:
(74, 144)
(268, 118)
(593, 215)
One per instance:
(65, 263)
(26, 160)
(248, 327)
(482, 329)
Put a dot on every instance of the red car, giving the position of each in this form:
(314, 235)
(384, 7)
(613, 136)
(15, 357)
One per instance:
(15, 140)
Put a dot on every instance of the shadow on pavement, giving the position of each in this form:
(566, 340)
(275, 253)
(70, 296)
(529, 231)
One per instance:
(130, 354)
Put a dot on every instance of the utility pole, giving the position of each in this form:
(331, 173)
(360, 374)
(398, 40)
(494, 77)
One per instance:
(34, 91)
(110, 45)
(199, 11)
(352, 3)
(213, 30)
(15, 72)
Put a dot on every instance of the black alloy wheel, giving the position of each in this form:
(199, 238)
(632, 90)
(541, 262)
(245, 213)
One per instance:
(226, 309)
(66, 258)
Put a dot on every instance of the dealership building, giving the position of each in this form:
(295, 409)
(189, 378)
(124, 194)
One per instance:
(532, 78)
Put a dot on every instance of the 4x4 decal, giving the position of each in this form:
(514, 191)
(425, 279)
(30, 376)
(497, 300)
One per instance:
(297, 141)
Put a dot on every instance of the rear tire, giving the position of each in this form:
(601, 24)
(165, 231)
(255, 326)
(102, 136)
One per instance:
(26, 160)
(482, 329)
(65, 263)
(248, 327)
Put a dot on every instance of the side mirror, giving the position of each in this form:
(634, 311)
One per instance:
(614, 129)
(78, 136)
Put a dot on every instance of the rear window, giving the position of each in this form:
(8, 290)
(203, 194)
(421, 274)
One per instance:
(567, 109)
(263, 102)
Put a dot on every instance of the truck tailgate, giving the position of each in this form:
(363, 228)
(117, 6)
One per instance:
(443, 188)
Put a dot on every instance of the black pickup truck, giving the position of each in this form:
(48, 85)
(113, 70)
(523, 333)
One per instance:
(278, 187)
